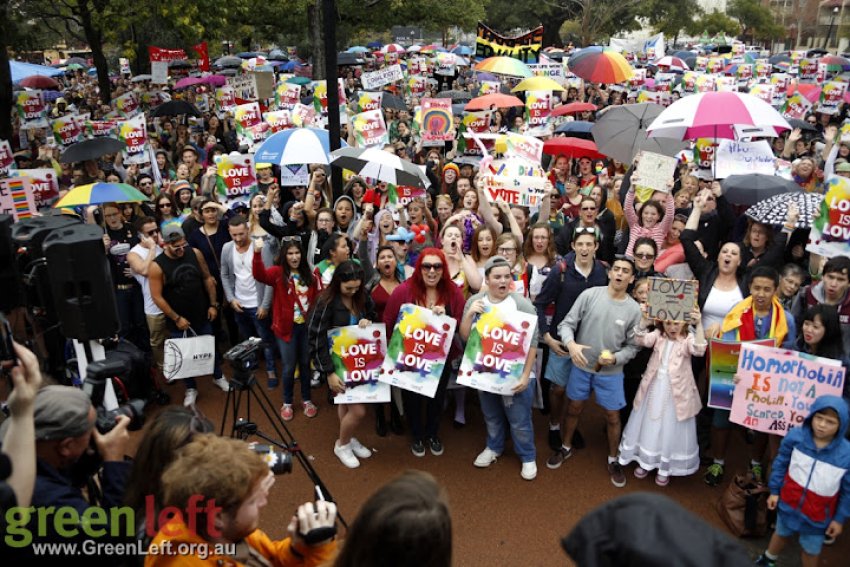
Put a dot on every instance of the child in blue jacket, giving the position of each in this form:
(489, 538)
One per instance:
(810, 481)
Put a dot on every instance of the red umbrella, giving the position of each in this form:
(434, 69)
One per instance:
(496, 99)
(39, 82)
(572, 147)
(574, 108)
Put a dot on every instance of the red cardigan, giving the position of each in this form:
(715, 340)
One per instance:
(404, 294)
(283, 302)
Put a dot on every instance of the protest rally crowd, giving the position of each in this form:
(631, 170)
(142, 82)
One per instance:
(657, 236)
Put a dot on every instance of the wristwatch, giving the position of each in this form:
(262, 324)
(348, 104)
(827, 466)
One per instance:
(215, 305)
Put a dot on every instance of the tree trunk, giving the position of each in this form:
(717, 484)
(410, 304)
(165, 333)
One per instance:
(6, 131)
(552, 32)
(94, 37)
(317, 38)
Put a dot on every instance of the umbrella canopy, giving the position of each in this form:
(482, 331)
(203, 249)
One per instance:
(374, 45)
(22, 70)
(295, 146)
(537, 84)
(175, 108)
(39, 82)
(393, 102)
(278, 55)
(50, 96)
(462, 50)
(229, 72)
(433, 48)
(772, 210)
(801, 124)
(684, 54)
(181, 64)
(495, 99)
(574, 108)
(299, 81)
(141, 78)
(91, 149)
(672, 63)
(835, 63)
(100, 193)
(74, 67)
(375, 163)
(751, 188)
(576, 129)
(188, 82)
(459, 96)
(713, 115)
(214, 80)
(620, 132)
(600, 65)
(346, 58)
(504, 66)
(228, 61)
(779, 58)
(77, 60)
(248, 54)
(392, 48)
(357, 49)
(556, 55)
(572, 147)
(414, 49)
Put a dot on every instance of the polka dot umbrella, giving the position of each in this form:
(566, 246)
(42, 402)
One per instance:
(773, 210)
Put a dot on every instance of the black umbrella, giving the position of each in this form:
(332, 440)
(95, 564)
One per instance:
(230, 72)
(556, 55)
(816, 52)
(181, 64)
(346, 58)
(690, 61)
(228, 61)
(175, 108)
(78, 61)
(801, 124)
(459, 96)
(779, 58)
(278, 55)
(684, 54)
(91, 149)
(751, 188)
(393, 102)
(248, 54)
(576, 129)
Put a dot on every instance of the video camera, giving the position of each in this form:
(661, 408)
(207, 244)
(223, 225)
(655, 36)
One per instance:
(97, 374)
(279, 462)
(246, 355)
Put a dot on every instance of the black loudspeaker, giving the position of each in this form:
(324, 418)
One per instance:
(81, 282)
(30, 233)
(11, 286)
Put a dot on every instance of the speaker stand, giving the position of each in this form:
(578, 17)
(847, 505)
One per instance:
(89, 351)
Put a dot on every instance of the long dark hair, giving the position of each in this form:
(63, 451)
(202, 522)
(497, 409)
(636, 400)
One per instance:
(346, 272)
(831, 346)
(303, 269)
(330, 245)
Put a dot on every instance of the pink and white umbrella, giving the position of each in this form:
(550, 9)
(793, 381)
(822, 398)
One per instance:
(414, 48)
(392, 48)
(714, 115)
(672, 63)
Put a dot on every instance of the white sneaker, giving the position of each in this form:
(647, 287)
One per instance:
(486, 458)
(190, 397)
(222, 383)
(346, 455)
(359, 450)
(315, 382)
(529, 471)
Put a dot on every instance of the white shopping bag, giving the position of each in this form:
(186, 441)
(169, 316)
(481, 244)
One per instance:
(188, 357)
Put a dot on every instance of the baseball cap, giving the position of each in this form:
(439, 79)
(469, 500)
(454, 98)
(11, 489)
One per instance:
(172, 233)
(60, 412)
(495, 262)
(262, 165)
(843, 167)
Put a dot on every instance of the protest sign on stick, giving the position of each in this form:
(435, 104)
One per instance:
(723, 363)
(417, 350)
(496, 350)
(358, 354)
(671, 300)
(776, 387)
(741, 158)
(374, 80)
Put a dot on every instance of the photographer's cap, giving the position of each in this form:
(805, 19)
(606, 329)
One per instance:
(60, 412)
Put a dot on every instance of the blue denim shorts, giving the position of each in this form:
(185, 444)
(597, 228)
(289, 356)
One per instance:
(607, 387)
(558, 369)
(811, 543)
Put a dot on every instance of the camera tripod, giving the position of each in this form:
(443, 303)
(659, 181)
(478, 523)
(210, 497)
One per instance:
(243, 384)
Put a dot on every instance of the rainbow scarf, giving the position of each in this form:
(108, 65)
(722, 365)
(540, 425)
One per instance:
(741, 319)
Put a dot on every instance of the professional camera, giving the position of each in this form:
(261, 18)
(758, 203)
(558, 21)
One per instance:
(97, 374)
(279, 462)
(245, 355)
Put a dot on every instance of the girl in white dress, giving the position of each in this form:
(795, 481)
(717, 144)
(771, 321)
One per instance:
(661, 432)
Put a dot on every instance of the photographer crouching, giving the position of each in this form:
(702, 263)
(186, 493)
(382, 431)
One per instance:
(218, 486)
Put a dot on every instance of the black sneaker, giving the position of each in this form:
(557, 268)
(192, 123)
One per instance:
(714, 475)
(555, 439)
(578, 440)
(764, 561)
(436, 446)
(418, 448)
(618, 478)
(558, 457)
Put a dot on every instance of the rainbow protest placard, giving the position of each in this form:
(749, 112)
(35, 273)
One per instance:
(723, 363)
(235, 180)
(418, 348)
(357, 355)
(370, 130)
(436, 120)
(134, 134)
(830, 232)
(32, 111)
(496, 350)
(16, 198)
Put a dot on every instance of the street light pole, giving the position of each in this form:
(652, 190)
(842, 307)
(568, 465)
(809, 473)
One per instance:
(331, 72)
(829, 31)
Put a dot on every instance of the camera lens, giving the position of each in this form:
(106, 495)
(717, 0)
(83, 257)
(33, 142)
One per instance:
(279, 462)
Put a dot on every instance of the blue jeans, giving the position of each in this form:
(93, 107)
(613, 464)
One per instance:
(498, 417)
(291, 353)
(204, 329)
(250, 326)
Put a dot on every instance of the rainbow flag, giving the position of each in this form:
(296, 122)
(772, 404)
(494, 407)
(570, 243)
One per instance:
(18, 191)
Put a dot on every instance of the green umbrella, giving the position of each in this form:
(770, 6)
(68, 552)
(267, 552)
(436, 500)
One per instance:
(299, 81)
(74, 67)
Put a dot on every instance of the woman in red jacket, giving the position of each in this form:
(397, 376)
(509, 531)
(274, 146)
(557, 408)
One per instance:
(295, 290)
(431, 287)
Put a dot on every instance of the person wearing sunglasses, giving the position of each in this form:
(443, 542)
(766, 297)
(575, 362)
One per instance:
(140, 258)
(430, 287)
(342, 303)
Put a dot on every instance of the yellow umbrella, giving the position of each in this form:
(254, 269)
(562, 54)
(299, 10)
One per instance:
(537, 84)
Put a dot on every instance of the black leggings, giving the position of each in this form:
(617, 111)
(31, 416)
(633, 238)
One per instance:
(433, 408)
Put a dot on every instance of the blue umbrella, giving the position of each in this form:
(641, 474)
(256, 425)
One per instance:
(462, 50)
(21, 70)
(374, 45)
(576, 129)
(50, 96)
(289, 66)
(357, 49)
(296, 146)
(247, 54)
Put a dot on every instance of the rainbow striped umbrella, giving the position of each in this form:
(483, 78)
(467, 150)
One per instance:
(504, 66)
(100, 193)
(835, 63)
(600, 65)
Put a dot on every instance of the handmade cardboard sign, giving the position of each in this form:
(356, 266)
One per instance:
(671, 300)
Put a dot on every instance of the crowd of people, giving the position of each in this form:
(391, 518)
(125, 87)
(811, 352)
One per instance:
(291, 263)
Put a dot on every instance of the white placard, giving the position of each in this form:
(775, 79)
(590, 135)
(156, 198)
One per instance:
(376, 79)
(656, 171)
(159, 72)
(741, 158)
